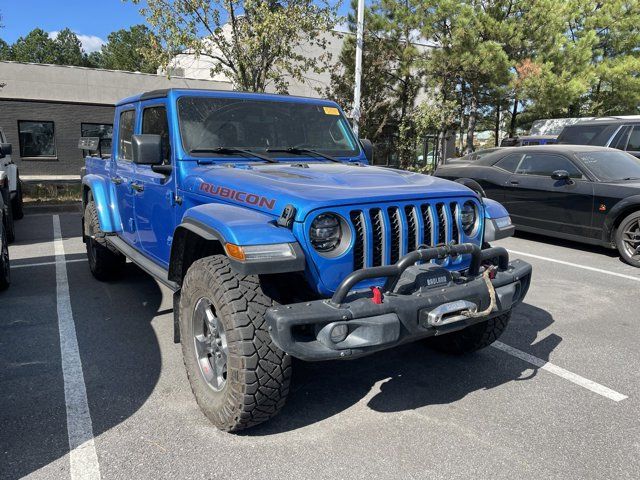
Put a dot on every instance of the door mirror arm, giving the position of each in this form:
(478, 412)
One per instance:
(163, 169)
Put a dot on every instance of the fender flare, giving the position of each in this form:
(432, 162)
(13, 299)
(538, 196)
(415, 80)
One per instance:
(473, 185)
(108, 216)
(219, 224)
(621, 209)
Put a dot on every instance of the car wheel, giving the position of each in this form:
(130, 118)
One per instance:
(104, 262)
(9, 226)
(472, 338)
(238, 376)
(628, 239)
(16, 203)
(5, 273)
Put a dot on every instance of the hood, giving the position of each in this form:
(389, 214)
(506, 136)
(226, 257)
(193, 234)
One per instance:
(269, 188)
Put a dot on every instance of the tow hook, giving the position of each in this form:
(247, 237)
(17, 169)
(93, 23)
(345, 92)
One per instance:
(377, 295)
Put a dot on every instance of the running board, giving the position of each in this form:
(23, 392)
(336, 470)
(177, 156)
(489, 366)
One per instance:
(145, 263)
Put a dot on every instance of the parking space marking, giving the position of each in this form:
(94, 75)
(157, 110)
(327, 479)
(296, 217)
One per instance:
(82, 455)
(42, 264)
(584, 267)
(561, 372)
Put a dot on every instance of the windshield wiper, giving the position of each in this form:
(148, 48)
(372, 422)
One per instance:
(302, 151)
(232, 150)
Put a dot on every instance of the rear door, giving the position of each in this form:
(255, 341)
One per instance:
(154, 192)
(123, 170)
(537, 201)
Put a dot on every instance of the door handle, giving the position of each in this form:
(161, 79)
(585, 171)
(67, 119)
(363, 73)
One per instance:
(514, 182)
(137, 187)
(116, 180)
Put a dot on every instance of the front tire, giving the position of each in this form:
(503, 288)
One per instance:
(104, 263)
(16, 203)
(5, 273)
(628, 239)
(238, 376)
(472, 338)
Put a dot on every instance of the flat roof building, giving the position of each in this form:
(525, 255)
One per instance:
(45, 109)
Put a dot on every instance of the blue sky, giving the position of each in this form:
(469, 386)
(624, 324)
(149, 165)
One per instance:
(91, 20)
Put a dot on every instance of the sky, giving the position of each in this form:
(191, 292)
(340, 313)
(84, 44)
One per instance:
(91, 20)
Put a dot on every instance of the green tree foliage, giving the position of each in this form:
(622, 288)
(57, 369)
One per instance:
(125, 50)
(253, 42)
(68, 49)
(5, 50)
(36, 47)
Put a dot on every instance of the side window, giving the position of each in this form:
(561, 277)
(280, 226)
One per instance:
(634, 140)
(154, 121)
(125, 133)
(620, 139)
(510, 162)
(544, 164)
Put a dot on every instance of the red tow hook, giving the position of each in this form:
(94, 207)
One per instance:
(377, 295)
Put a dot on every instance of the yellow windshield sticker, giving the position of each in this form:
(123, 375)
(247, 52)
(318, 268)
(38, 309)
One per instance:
(331, 111)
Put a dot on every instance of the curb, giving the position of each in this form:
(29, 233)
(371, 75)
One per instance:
(74, 207)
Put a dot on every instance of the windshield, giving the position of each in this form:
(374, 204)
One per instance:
(611, 166)
(263, 126)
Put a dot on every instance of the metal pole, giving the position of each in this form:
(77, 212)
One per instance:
(356, 91)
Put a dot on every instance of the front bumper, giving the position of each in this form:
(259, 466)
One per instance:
(419, 302)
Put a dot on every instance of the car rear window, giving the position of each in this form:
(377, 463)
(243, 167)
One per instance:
(584, 135)
(611, 165)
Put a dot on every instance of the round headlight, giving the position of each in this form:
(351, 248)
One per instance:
(469, 217)
(325, 232)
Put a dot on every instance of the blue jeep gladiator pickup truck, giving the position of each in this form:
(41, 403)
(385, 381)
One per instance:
(263, 216)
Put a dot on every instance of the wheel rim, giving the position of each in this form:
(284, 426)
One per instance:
(210, 342)
(631, 239)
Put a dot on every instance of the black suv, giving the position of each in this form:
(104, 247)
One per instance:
(620, 133)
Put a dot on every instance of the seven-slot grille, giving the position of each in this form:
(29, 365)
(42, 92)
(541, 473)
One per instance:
(384, 235)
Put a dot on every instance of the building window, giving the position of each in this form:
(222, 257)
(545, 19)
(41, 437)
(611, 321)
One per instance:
(104, 131)
(37, 139)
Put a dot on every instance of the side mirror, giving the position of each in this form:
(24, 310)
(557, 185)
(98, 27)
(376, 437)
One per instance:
(147, 149)
(561, 175)
(5, 149)
(367, 146)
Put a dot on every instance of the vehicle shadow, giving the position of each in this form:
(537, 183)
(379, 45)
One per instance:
(118, 347)
(412, 377)
(559, 242)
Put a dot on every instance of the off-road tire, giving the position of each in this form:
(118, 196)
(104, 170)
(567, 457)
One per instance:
(5, 274)
(9, 225)
(258, 373)
(631, 223)
(472, 338)
(16, 203)
(104, 262)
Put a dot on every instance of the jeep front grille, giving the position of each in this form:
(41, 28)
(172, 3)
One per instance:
(384, 235)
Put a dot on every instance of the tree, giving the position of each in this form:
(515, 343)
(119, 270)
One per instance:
(253, 42)
(5, 51)
(36, 47)
(125, 50)
(68, 49)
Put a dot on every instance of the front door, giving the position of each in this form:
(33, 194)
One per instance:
(154, 192)
(123, 172)
(536, 200)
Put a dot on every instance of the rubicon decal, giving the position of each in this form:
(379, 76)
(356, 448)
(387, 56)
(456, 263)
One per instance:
(237, 195)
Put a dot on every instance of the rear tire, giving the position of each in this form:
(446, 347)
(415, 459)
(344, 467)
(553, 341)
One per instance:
(16, 203)
(104, 262)
(628, 239)
(472, 338)
(5, 273)
(237, 374)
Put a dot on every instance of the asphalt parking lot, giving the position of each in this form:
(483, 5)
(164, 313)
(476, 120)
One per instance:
(558, 397)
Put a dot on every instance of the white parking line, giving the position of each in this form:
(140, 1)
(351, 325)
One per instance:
(561, 372)
(42, 264)
(584, 267)
(82, 455)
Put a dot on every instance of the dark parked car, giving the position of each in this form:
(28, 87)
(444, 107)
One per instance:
(583, 193)
(623, 134)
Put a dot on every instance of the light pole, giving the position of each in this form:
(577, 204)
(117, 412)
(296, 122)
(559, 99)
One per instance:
(356, 91)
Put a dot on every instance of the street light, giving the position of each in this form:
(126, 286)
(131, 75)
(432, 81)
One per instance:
(356, 92)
